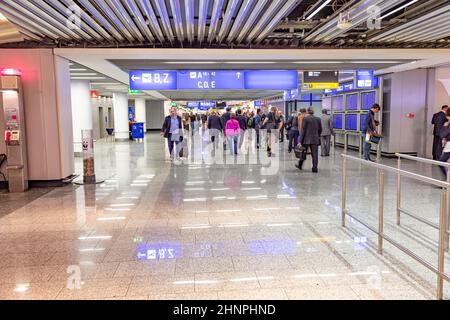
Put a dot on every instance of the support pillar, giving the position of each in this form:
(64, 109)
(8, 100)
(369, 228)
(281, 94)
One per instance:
(140, 110)
(81, 111)
(121, 127)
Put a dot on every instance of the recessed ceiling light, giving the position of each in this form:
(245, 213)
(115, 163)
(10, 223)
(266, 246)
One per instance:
(85, 74)
(398, 9)
(86, 78)
(251, 62)
(318, 62)
(318, 9)
(191, 62)
(108, 84)
(377, 61)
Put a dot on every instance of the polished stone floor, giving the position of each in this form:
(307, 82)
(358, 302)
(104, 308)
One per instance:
(235, 228)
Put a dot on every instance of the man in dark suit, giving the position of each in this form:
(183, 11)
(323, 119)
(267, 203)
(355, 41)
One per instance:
(172, 131)
(310, 138)
(225, 117)
(215, 128)
(438, 120)
(242, 125)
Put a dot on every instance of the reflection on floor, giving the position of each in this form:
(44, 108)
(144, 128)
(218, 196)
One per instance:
(13, 201)
(199, 230)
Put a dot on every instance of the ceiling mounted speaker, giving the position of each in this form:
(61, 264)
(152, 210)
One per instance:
(344, 22)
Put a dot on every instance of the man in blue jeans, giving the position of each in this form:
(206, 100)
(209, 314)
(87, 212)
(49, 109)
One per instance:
(172, 131)
(369, 128)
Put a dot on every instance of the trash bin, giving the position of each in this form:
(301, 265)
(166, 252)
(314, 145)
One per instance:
(137, 131)
(110, 132)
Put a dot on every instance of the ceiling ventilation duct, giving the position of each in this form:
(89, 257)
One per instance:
(164, 16)
(283, 12)
(251, 20)
(153, 21)
(202, 12)
(242, 15)
(217, 9)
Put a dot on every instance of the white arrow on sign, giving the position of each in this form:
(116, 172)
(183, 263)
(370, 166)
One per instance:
(134, 78)
(238, 75)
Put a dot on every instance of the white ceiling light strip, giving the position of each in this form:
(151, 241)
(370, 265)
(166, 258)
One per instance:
(318, 9)
(398, 9)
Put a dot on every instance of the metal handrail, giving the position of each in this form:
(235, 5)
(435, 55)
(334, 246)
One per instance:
(423, 160)
(442, 226)
(412, 215)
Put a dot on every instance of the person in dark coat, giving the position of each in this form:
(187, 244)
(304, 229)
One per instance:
(310, 138)
(224, 119)
(444, 135)
(370, 127)
(215, 128)
(243, 125)
(172, 130)
(438, 121)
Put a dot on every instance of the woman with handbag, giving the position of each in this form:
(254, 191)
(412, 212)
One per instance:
(370, 131)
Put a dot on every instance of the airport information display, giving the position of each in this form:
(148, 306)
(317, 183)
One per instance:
(362, 119)
(321, 80)
(213, 80)
(351, 122)
(367, 100)
(338, 103)
(364, 79)
(337, 121)
(352, 101)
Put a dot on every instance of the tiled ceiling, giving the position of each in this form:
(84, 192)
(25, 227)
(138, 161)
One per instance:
(229, 23)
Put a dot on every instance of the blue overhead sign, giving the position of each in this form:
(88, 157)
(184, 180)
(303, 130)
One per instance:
(153, 80)
(364, 79)
(210, 79)
(202, 105)
(271, 80)
(214, 80)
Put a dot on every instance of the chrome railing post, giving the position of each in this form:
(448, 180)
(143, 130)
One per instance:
(345, 142)
(344, 191)
(380, 209)
(447, 206)
(399, 191)
(442, 231)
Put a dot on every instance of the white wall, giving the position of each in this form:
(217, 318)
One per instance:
(437, 96)
(154, 114)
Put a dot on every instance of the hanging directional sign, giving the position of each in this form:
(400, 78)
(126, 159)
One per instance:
(214, 80)
(153, 80)
(210, 80)
(271, 80)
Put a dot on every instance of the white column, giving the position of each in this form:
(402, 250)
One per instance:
(121, 128)
(81, 111)
(140, 110)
